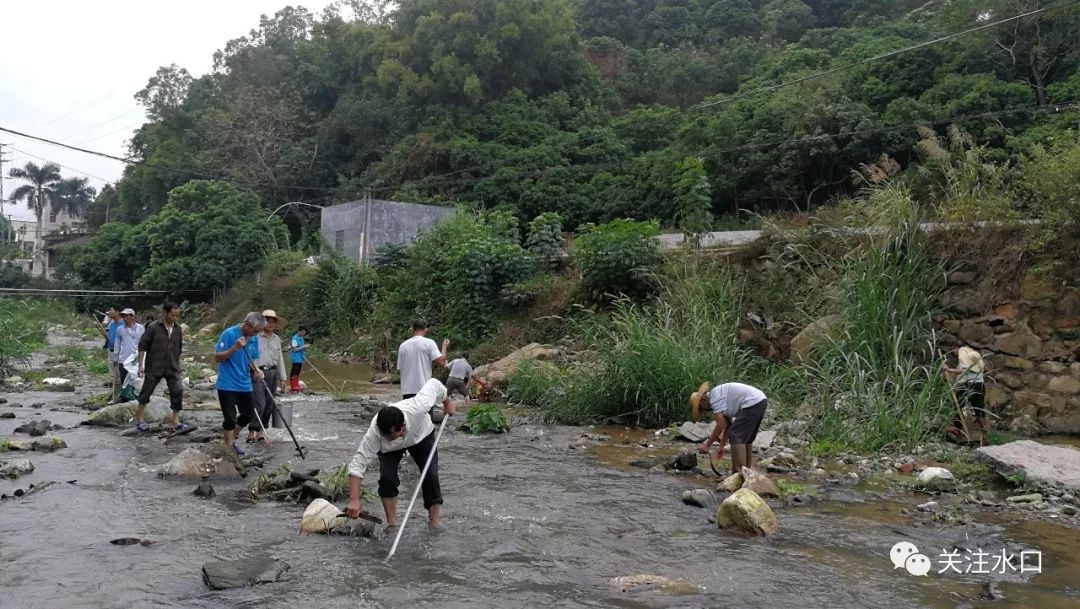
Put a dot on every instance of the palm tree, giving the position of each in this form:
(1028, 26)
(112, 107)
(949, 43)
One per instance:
(37, 192)
(73, 195)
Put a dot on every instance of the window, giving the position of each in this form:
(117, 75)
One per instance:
(339, 241)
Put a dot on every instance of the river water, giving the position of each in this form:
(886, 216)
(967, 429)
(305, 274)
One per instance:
(527, 523)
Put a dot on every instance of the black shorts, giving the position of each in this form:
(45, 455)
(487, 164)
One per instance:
(747, 423)
(233, 401)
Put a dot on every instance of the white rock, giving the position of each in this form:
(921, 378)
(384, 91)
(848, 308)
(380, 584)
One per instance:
(53, 380)
(937, 479)
(319, 517)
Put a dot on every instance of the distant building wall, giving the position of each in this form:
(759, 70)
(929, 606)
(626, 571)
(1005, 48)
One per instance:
(342, 225)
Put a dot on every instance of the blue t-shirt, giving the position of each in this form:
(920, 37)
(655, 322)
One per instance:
(234, 374)
(113, 327)
(297, 356)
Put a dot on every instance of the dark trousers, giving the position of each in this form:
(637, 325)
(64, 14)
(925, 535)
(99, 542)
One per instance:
(973, 395)
(263, 409)
(296, 368)
(406, 396)
(388, 471)
(176, 389)
(233, 401)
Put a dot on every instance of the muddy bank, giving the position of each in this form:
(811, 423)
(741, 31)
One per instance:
(529, 521)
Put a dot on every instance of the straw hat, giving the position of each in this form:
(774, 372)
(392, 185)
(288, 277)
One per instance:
(695, 400)
(281, 321)
(971, 359)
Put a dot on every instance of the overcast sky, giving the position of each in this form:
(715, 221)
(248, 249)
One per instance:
(69, 70)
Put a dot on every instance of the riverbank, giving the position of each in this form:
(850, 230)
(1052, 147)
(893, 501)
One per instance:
(544, 514)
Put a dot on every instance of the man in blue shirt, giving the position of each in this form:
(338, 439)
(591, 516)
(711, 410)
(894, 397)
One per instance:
(114, 323)
(299, 353)
(235, 371)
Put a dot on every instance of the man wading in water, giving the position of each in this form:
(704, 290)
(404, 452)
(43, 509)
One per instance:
(159, 358)
(272, 366)
(235, 374)
(401, 426)
(743, 403)
(415, 357)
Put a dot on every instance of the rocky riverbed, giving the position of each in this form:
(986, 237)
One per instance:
(543, 515)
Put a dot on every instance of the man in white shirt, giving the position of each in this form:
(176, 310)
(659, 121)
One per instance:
(415, 357)
(399, 427)
(738, 410)
(126, 345)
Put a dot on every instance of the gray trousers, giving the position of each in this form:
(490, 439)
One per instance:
(262, 403)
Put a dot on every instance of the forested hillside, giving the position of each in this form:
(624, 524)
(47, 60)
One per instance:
(603, 109)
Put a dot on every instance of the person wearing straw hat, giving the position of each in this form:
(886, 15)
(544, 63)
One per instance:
(272, 365)
(738, 410)
(969, 383)
(399, 427)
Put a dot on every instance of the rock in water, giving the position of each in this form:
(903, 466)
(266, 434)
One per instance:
(764, 440)
(699, 497)
(696, 432)
(358, 527)
(15, 468)
(320, 517)
(1041, 464)
(685, 462)
(759, 483)
(937, 479)
(7, 415)
(194, 463)
(645, 583)
(120, 415)
(730, 484)
(746, 511)
(58, 384)
(35, 428)
(205, 489)
(223, 574)
(43, 444)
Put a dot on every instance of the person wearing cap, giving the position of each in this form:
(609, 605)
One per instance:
(272, 365)
(969, 383)
(738, 410)
(415, 357)
(127, 342)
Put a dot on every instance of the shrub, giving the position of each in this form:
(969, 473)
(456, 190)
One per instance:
(618, 258)
(486, 418)
(545, 240)
(339, 296)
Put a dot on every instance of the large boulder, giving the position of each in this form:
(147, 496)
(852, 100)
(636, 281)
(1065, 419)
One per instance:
(498, 373)
(803, 344)
(1042, 465)
(15, 468)
(194, 463)
(222, 574)
(121, 415)
(745, 511)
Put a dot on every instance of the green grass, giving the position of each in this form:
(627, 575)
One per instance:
(788, 488)
(998, 437)
(336, 481)
(23, 323)
(5, 445)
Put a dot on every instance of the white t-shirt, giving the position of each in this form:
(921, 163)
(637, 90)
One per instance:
(460, 368)
(417, 427)
(730, 398)
(414, 359)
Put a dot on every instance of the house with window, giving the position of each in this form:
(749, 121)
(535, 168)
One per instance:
(358, 228)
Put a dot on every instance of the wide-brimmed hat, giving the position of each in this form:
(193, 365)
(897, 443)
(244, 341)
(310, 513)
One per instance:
(272, 314)
(695, 400)
(971, 360)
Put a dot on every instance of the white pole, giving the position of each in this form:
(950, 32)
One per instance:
(446, 417)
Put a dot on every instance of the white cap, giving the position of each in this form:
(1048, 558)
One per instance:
(127, 312)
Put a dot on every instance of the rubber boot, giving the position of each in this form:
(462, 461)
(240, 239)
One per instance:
(294, 383)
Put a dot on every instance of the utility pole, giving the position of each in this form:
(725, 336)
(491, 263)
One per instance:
(364, 233)
(11, 229)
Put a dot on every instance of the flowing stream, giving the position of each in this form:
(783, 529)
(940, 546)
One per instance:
(527, 523)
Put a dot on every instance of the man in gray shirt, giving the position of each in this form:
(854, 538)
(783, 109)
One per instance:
(738, 410)
(272, 364)
(461, 372)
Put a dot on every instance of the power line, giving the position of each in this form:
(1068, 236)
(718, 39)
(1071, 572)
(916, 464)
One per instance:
(882, 56)
(43, 159)
(76, 110)
(104, 122)
(105, 135)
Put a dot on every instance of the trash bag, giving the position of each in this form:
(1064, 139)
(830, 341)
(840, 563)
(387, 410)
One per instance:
(132, 382)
